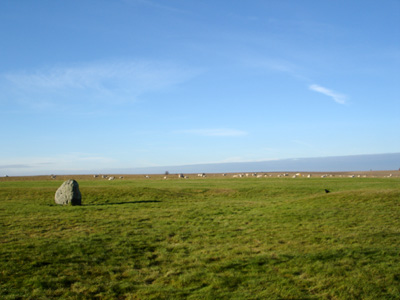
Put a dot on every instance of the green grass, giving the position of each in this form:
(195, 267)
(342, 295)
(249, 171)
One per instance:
(212, 238)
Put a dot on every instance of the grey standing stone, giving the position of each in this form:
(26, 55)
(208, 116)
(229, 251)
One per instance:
(68, 193)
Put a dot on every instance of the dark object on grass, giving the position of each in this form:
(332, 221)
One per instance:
(68, 193)
(327, 191)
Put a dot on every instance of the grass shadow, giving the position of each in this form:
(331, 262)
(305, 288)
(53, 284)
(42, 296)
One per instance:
(121, 203)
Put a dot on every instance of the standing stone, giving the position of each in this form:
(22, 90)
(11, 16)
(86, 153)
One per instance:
(68, 193)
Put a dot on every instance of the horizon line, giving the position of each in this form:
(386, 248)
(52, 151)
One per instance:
(354, 163)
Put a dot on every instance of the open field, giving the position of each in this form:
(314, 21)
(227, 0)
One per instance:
(202, 238)
(369, 174)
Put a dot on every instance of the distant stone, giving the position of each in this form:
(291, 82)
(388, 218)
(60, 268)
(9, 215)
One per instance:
(68, 193)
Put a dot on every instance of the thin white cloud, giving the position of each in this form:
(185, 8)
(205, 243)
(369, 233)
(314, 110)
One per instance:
(118, 81)
(296, 72)
(338, 98)
(65, 159)
(54, 163)
(277, 65)
(215, 132)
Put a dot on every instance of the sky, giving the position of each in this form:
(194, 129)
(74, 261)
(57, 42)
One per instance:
(99, 84)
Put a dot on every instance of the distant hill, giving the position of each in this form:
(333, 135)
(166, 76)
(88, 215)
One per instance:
(369, 162)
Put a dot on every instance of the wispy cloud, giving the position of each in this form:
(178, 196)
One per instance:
(215, 132)
(118, 81)
(277, 65)
(15, 166)
(295, 71)
(54, 163)
(338, 98)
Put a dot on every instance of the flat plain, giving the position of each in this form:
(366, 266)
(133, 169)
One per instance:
(202, 238)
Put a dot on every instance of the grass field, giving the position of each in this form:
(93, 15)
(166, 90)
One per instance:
(202, 238)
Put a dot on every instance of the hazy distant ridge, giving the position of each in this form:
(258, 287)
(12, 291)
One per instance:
(316, 164)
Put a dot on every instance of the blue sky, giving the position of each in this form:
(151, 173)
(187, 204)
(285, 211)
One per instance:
(91, 85)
